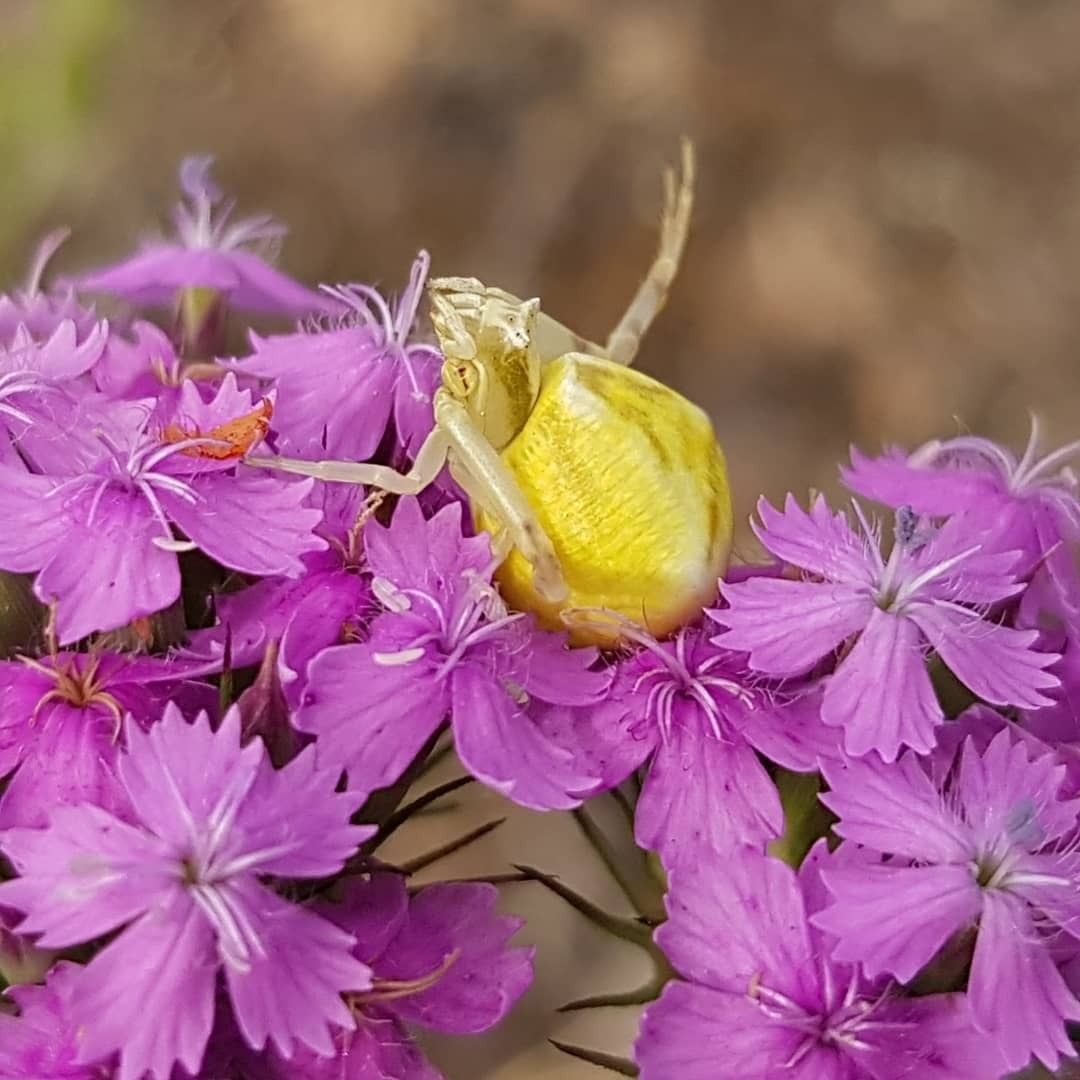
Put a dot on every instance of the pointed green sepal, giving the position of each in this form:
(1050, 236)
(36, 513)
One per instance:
(622, 1066)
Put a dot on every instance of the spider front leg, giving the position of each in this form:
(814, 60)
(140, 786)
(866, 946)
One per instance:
(430, 459)
(477, 466)
(480, 472)
(622, 345)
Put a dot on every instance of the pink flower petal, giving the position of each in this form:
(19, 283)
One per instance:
(253, 521)
(696, 1033)
(70, 758)
(895, 809)
(703, 797)
(791, 733)
(290, 991)
(35, 526)
(319, 837)
(403, 707)
(503, 748)
(820, 542)
(895, 918)
(740, 920)
(150, 995)
(108, 570)
(788, 626)
(889, 479)
(1017, 994)
(85, 875)
(372, 909)
(179, 774)
(335, 390)
(881, 693)
(457, 922)
(1007, 792)
(929, 1038)
(995, 662)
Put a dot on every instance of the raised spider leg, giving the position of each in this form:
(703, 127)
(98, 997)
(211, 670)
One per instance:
(486, 479)
(622, 345)
(430, 459)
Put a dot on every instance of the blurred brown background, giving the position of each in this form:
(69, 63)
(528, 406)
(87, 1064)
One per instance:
(886, 243)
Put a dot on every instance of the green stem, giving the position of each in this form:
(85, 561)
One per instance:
(642, 901)
(421, 862)
(401, 815)
(628, 929)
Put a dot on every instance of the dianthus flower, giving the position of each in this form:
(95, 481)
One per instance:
(1029, 505)
(339, 385)
(102, 537)
(761, 998)
(210, 252)
(930, 593)
(303, 615)
(186, 881)
(143, 364)
(698, 718)
(439, 960)
(446, 646)
(40, 409)
(43, 1042)
(38, 312)
(60, 725)
(992, 851)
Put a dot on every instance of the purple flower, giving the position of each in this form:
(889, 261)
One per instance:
(994, 849)
(304, 615)
(439, 960)
(1028, 506)
(699, 718)
(40, 396)
(763, 999)
(143, 366)
(186, 882)
(340, 385)
(930, 593)
(446, 645)
(37, 312)
(102, 538)
(209, 252)
(44, 1042)
(60, 725)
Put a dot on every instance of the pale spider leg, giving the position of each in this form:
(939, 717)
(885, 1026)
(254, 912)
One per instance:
(649, 300)
(454, 337)
(487, 481)
(429, 461)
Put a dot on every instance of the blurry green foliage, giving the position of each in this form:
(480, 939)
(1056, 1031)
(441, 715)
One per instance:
(51, 59)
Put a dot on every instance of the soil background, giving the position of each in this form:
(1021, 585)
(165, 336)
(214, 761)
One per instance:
(886, 245)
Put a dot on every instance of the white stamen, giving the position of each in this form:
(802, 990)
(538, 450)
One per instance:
(397, 659)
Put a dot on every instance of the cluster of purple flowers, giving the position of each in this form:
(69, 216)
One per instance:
(230, 678)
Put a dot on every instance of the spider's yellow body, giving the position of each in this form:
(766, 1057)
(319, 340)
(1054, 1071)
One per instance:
(627, 480)
(602, 488)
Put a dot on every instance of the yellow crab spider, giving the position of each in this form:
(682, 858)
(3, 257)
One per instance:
(601, 487)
